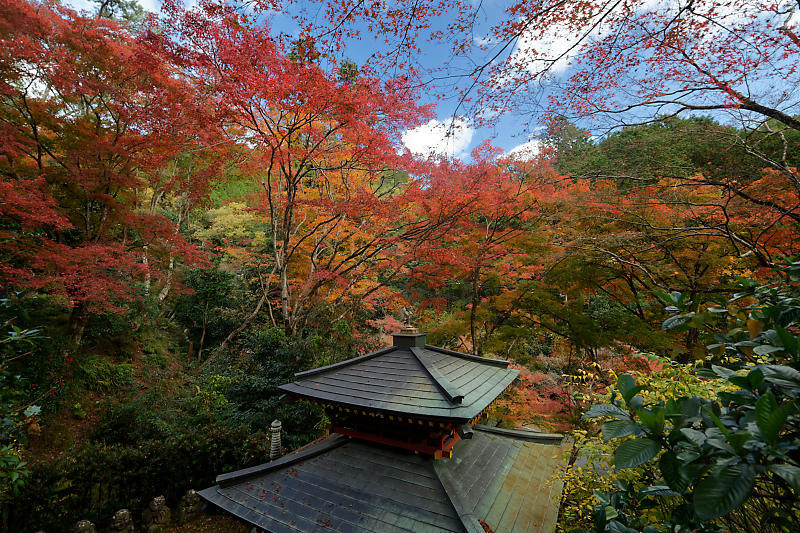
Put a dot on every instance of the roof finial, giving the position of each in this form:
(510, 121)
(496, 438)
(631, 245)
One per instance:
(409, 317)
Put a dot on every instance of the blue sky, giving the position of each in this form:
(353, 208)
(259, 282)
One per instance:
(445, 134)
(513, 131)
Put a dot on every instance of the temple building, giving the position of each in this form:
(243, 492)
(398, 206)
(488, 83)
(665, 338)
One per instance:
(406, 452)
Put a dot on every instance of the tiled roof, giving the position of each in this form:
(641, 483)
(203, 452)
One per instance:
(352, 486)
(418, 381)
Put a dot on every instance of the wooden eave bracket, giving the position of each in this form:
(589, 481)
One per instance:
(465, 431)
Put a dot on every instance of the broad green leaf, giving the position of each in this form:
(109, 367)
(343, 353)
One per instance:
(722, 491)
(789, 341)
(674, 472)
(756, 378)
(766, 349)
(32, 410)
(715, 419)
(618, 527)
(636, 402)
(659, 490)
(597, 411)
(723, 372)
(769, 417)
(696, 437)
(740, 381)
(652, 418)
(676, 321)
(625, 382)
(614, 429)
(739, 439)
(635, 452)
(627, 387)
(789, 473)
(782, 376)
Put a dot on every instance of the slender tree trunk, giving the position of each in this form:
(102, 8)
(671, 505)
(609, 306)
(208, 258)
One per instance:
(203, 334)
(476, 274)
(164, 292)
(76, 325)
(146, 263)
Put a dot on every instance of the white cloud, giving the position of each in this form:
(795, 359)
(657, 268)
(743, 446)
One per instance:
(525, 151)
(149, 5)
(551, 50)
(155, 5)
(447, 138)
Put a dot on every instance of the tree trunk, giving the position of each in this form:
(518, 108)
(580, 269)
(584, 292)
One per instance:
(476, 273)
(203, 334)
(76, 325)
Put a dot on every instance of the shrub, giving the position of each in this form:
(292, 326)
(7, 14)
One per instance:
(98, 479)
(99, 374)
(727, 457)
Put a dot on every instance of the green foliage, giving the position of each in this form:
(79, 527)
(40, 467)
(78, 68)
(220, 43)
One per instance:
(668, 147)
(252, 394)
(733, 459)
(98, 479)
(15, 411)
(125, 10)
(203, 311)
(348, 71)
(98, 373)
(583, 482)
(13, 472)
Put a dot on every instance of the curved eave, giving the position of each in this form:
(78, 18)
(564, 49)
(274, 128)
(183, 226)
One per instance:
(461, 413)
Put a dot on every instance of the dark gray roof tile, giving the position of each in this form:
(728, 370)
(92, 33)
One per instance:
(424, 382)
(359, 487)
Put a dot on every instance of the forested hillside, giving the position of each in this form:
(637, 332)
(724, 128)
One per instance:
(193, 208)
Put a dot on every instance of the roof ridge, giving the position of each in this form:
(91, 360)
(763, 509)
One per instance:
(465, 514)
(468, 357)
(287, 460)
(346, 362)
(522, 434)
(453, 393)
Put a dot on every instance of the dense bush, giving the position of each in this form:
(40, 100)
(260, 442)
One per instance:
(714, 462)
(98, 479)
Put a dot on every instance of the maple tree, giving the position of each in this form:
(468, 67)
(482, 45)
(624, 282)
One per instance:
(491, 246)
(322, 147)
(608, 64)
(89, 116)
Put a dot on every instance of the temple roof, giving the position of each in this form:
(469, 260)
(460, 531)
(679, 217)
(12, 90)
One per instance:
(410, 378)
(498, 477)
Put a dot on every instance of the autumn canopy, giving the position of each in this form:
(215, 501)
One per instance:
(197, 201)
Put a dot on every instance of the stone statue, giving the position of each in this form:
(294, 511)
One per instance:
(190, 507)
(155, 519)
(409, 318)
(84, 526)
(121, 522)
